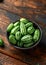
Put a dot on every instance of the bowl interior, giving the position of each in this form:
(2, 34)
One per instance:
(36, 26)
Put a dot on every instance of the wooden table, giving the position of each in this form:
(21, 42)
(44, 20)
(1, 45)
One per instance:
(10, 11)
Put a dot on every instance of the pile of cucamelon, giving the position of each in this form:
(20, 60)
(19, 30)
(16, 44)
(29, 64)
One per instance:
(22, 33)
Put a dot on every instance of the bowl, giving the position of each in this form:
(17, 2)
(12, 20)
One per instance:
(35, 25)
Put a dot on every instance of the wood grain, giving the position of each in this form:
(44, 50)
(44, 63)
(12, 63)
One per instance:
(19, 6)
(26, 8)
(33, 10)
(6, 60)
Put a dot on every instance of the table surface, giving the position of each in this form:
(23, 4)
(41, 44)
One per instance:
(11, 10)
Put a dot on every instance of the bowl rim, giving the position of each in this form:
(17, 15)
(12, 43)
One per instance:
(32, 45)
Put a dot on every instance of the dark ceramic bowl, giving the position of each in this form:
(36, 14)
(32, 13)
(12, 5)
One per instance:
(36, 26)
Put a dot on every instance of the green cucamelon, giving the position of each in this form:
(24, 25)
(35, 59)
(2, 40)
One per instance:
(16, 23)
(15, 29)
(9, 28)
(20, 44)
(18, 35)
(36, 35)
(1, 42)
(12, 39)
(24, 20)
(29, 24)
(22, 28)
(30, 30)
(26, 39)
(28, 45)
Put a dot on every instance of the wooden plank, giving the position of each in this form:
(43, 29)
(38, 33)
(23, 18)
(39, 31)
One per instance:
(30, 57)
(6, 60)
(28, 6)
(29, 2)
(33, 10)
(24, 6)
